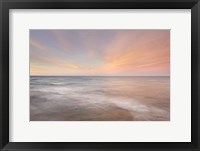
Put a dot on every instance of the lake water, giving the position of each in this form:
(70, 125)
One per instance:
(82, 98)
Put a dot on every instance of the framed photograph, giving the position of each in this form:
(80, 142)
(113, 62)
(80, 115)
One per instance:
(99, 75)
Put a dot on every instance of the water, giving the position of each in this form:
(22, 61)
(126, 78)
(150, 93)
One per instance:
(99, 98)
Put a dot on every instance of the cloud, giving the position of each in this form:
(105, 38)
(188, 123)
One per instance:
(127, 52)
(38, 45)
(39, 64)
(62, 42)
(150, 53)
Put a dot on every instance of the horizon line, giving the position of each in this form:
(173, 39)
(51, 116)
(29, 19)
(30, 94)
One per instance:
(101, 76)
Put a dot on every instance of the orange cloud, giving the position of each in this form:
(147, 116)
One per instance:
(145, 55)
(140, 53)
(51, 65)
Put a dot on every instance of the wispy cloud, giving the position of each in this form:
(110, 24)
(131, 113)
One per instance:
(38, 45)
(61, 40)
(103, 52)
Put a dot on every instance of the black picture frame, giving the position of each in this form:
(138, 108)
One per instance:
(5, 5)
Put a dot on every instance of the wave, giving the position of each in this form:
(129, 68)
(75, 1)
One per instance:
(139, 99)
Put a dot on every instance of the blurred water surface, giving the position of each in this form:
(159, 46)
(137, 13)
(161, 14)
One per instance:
(82, 98)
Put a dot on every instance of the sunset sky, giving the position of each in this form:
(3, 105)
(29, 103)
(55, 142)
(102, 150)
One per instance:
(100, 52)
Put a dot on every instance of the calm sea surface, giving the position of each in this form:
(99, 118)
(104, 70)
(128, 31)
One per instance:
(99, 98)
